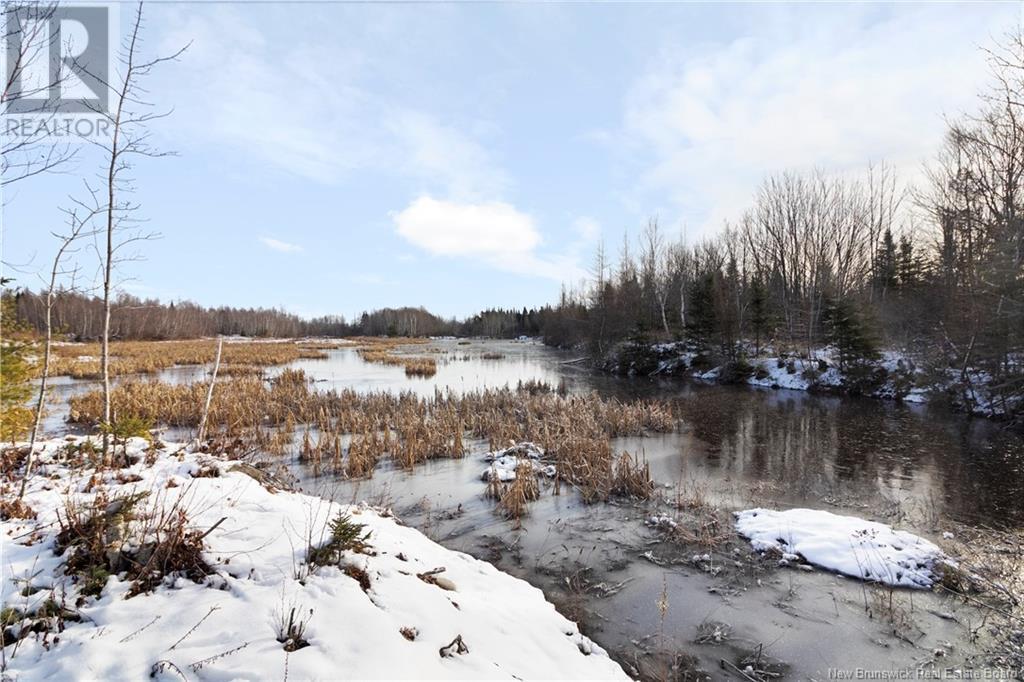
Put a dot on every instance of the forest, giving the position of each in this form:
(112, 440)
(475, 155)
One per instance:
(79, 317)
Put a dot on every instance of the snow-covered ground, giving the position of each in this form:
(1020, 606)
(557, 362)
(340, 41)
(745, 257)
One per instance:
(844, 544)
(420, 597)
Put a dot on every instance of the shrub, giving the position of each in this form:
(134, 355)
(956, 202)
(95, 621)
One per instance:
(16, 372)
(110, 536)
(346, 535)
(632, 477)
(735, 371)
(291, 630)
(864, 378)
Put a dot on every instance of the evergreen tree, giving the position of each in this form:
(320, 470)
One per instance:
(16, 371)
(702, 319)
(886, 265)
(759, 314)
(848, 332)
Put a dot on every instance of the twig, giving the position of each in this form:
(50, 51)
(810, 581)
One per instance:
(130, 636)
(213, 527)
(195, 627)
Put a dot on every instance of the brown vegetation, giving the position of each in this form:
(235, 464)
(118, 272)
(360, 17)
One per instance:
(349, 432)
(113, 535)
(82, 360)
(382, 350)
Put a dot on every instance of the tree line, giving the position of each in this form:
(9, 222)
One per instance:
(76, 316)
(860, 261)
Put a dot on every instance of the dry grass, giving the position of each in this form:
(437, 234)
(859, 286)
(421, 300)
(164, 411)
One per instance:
(513, 497)
(82, 360)
(383, 352)
(574, 430)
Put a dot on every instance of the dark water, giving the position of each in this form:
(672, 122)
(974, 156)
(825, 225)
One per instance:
(916, 461)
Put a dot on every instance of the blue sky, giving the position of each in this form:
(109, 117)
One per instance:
(333, 158)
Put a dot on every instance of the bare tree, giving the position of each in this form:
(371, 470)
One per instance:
(655, 270)
(129, 117)
(77, 223)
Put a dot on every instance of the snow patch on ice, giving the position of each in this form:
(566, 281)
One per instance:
(844, 544)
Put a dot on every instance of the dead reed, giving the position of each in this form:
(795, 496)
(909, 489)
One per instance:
(349, 433)
(82, 360)
(383, 352)
(513, 497)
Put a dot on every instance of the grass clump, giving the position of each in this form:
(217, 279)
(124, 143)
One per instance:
(632, 477)
(513, 497)
(383, 353)
(291, 629)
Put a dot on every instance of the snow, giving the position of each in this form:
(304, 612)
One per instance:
(505, 462)
(224, 629)
(844, 544)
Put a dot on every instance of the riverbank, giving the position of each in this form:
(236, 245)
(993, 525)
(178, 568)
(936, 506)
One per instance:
(892, 375)
(179, 565)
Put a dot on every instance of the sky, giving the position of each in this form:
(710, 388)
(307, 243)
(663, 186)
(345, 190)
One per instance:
(331, 158)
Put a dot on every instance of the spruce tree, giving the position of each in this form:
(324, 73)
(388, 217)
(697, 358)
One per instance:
(16, 372)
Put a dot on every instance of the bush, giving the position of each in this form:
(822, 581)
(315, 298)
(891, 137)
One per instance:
(346, 535)
(109, 537)
(637, 359)
(736, 371)
(16, 372)
(864, 378)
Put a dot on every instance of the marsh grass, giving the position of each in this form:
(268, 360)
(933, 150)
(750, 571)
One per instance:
(350, 433)
(82, 360)
(383, 351)
(513, 497)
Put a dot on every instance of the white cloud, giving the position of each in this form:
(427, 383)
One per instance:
(495, 233)
(835, 89)
(445, 156)
(278, 245)
(453, 229)
(313, 108)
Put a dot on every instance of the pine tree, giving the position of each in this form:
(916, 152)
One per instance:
(16, 372)
(909, 266)
(886, 265)
(702, 319)
(848, 332)
(759, 314)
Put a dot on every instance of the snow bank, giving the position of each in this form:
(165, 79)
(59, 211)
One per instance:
(224, 629)
(845, 544)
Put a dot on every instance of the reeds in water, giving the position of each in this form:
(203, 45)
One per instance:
(574, 430)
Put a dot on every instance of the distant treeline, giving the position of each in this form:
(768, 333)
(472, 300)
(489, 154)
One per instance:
(79, 317)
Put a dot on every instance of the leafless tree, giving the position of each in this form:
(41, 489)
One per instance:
(78, 219)
(128, 116)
